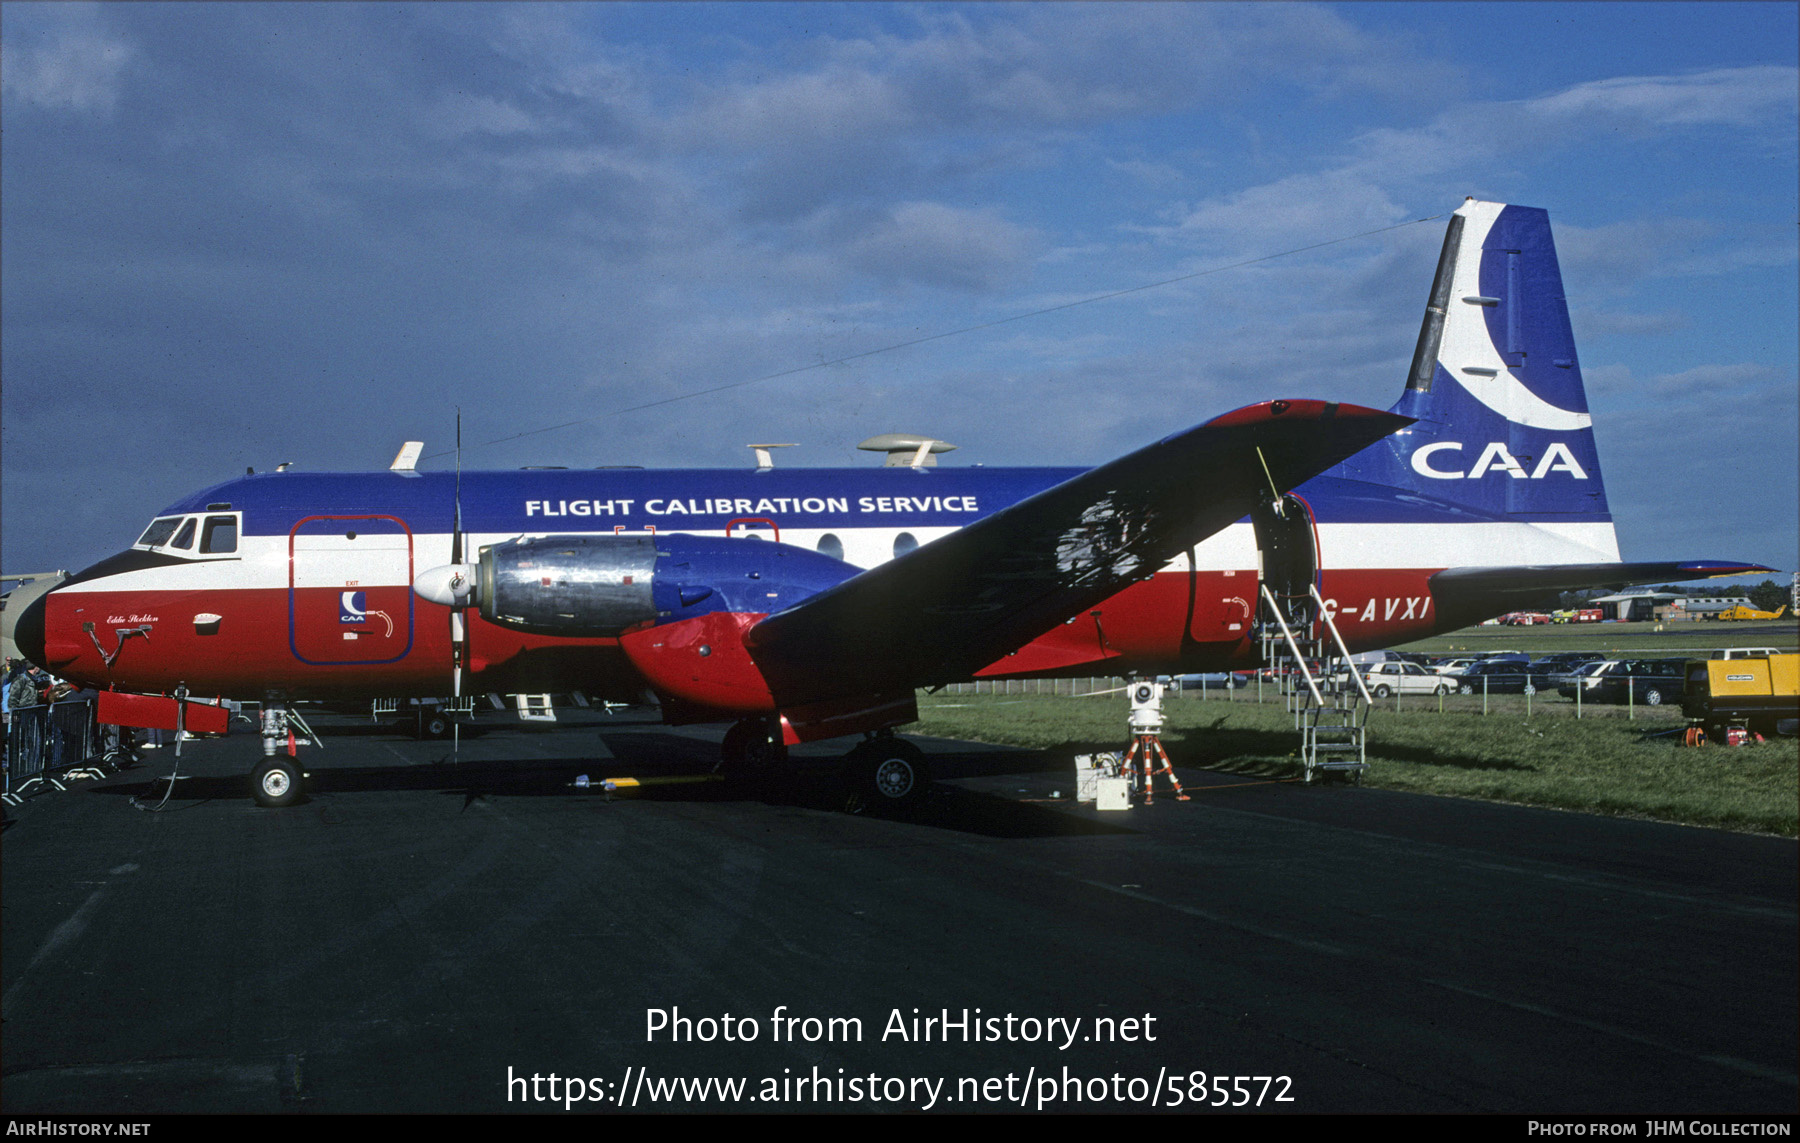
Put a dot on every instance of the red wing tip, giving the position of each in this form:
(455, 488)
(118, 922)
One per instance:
(1302, 409)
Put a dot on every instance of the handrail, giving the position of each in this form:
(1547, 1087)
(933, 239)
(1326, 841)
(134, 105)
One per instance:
(1361, 684)
(1275, 610)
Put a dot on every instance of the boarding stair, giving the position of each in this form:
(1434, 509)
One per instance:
(1320, 685)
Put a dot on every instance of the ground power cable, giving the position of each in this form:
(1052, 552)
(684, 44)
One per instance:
(926, 340)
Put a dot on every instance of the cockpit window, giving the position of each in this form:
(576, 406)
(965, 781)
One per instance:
(217, 534)
(220, 535)
(159, 532)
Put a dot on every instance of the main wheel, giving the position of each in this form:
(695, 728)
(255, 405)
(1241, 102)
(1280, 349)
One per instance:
(892, 772)
(434, 724)
(276, 783)
(748, 753)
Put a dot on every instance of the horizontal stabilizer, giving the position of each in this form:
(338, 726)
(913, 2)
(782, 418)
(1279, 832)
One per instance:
(955, 605)
(1481, 593)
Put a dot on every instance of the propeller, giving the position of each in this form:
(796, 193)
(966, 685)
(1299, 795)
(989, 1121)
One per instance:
(459, 633)
(453, 586)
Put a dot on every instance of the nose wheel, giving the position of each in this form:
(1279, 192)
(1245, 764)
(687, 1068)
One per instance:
(276, 783)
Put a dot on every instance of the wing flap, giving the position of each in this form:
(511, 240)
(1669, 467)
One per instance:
(955, 605)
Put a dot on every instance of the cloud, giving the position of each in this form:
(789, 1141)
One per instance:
(1315, 205)
(1480, 135)
(1700, 388)
(928, 242)
(1738, 97)
(60, 57)
(961, 94)
(1708, 381)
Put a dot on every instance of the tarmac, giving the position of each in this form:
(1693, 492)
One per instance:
(424, 935)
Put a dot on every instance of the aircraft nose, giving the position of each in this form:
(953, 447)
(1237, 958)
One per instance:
(28, 630)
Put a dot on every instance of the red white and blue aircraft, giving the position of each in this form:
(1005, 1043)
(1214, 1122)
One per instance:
(1479, 492)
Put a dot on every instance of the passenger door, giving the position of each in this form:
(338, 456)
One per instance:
(350, 598)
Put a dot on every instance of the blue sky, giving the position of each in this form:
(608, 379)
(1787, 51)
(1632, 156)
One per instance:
(239, 234)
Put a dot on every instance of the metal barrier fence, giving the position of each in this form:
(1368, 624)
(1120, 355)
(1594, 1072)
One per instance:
(42, 740)
(1640, 695)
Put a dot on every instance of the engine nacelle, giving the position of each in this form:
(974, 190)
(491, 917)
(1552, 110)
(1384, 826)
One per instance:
(568, 585)
(679, 606)
(587, 586)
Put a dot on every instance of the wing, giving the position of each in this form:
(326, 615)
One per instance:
(1481, 593)
(957, 604)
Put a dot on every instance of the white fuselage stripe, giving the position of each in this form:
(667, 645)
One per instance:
(262, 561)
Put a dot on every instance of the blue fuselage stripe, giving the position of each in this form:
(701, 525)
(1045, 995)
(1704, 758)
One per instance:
(540, 501)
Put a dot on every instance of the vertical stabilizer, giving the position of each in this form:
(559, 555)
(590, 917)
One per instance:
(1503, 425)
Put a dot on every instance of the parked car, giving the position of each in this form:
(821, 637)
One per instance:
(1582, 678)
(1500, 677)
(1213, 680)
(1562, 667)
(1384, 679)
(1652, 682)
(1453, 666)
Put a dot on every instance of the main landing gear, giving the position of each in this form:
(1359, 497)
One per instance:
(889, 771)
(883, 771)
(751, 749)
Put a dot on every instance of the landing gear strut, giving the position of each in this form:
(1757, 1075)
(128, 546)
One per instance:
(277, 781)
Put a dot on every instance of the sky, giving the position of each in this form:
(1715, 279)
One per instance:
(233, 235)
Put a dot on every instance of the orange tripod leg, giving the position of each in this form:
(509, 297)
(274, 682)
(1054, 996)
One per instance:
(1168, 769)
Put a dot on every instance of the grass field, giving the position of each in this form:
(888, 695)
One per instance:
(1602, 763)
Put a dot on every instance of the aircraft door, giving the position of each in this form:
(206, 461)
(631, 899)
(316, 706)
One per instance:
(350, 597)
(1287, 552)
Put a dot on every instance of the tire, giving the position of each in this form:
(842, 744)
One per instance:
(1465, 689)
(276, 783)
(891, 772)
(1653, 697)
(1382, 691)
(748, 755)
(1442, 689)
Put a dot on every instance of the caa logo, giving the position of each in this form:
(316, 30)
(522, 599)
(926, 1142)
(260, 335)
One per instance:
(352, 608)
(1557, 458)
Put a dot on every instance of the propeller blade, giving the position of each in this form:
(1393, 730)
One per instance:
(457, 585)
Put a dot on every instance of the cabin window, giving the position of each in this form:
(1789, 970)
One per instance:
(904, 543)
(830, 545)
(159, 532)
(221, 535)
(184, 539)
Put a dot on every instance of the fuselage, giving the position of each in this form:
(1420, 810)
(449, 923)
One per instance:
(299, 585)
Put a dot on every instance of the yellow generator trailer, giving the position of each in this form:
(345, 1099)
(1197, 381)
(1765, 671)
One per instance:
(1763, 694)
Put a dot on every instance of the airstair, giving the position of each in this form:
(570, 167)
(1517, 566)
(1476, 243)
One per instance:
(1321, 687)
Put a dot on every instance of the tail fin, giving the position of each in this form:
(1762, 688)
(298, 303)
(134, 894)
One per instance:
(1503, 425)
